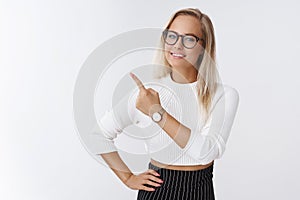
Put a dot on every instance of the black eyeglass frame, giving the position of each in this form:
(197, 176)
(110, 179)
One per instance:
(166, 31)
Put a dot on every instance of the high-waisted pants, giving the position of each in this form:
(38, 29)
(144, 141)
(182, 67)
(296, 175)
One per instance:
(181, 185)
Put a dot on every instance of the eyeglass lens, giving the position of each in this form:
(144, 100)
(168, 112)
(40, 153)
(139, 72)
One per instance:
(188, 41)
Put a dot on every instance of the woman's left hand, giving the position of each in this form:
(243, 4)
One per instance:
(148, 99)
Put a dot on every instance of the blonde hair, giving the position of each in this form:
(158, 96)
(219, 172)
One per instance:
(208, 77)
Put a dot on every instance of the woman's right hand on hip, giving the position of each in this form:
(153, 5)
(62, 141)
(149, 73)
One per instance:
(149, 177)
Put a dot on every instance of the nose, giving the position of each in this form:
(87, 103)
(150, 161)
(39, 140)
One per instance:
(179, 43)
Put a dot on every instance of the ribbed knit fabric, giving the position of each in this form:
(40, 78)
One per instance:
(207, 141)
(181, 185)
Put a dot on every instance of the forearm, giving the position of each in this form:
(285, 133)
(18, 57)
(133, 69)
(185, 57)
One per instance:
(115, 162)
(178, 132)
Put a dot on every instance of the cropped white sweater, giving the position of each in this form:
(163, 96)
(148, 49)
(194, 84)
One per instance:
(207, 141)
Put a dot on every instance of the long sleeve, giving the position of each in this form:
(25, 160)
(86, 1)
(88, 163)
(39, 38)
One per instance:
(209, 143)
(114, 121)
(110, 125)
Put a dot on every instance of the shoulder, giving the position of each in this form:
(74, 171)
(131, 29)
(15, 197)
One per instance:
(229, 93)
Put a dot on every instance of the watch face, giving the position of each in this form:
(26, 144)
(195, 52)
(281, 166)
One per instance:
(156, 117)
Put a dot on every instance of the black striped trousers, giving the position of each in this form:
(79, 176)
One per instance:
(181, 185)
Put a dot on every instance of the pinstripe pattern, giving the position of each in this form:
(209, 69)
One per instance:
(181, 185)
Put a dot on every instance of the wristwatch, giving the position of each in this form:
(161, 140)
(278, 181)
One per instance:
(157, 116)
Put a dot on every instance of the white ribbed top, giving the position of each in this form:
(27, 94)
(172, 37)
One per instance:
(207, 141)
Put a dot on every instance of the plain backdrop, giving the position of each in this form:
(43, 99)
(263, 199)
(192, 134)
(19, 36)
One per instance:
(43, 45)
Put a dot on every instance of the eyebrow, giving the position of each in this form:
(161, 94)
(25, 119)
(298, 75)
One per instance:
(187, 33)
(191, 34)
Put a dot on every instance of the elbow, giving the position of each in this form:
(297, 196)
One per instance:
(187, 140)
(207, 150)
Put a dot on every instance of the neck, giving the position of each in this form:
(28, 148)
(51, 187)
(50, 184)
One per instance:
(185, 76)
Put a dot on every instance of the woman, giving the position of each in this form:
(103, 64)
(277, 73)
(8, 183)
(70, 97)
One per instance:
(184, 169)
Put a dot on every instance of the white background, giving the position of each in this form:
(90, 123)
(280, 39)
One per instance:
(43, 45)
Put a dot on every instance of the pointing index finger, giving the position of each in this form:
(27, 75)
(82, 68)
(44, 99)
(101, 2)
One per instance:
(137, 81)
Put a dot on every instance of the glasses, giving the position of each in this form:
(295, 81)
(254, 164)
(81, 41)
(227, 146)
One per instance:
(188, 41)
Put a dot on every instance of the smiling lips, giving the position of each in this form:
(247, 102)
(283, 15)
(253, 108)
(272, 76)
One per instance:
(177, 55)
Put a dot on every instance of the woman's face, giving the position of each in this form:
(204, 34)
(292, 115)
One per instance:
(177, 55)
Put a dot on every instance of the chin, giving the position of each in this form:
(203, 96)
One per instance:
(178, 63)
